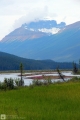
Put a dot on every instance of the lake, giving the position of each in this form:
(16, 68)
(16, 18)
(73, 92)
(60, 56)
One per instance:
(27, 76)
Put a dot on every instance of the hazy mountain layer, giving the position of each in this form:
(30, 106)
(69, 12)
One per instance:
(63, 46)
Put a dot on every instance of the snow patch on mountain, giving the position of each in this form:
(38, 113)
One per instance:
(52, 30)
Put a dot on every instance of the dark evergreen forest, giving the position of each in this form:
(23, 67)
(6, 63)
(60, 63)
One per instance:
(12, 62)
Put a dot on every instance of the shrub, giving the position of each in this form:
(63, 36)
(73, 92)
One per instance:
(18, 82)
(46, 81)
(37, 82)
(75, 79)
(10, 83)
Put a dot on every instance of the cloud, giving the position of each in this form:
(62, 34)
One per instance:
(6, 23)
(24, 11)
(33, 15)
(19, 7)
(76, 1)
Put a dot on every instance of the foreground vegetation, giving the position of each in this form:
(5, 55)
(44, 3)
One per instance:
(59, 101)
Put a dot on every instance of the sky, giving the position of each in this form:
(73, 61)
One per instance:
(14, 13)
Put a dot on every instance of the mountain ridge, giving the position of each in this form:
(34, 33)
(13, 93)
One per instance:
(34, 30)
(61, 47)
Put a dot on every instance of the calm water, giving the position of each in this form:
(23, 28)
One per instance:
(29, 81)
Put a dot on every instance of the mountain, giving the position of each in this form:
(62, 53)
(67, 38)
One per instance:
(22, 34)
(48, 24)
(63, 45)
(34, 30)
(12, 62)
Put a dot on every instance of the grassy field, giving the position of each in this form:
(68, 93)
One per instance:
(53, 102)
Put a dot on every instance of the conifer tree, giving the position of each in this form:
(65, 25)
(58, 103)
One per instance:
(75, 69)
(21, 71)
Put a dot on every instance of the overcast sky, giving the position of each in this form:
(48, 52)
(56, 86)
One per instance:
(13, 13)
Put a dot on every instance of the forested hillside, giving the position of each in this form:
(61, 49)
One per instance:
(12, 62)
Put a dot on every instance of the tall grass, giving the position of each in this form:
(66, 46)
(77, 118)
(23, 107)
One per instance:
(53, 102)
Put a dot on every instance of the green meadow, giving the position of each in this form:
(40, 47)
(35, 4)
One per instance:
(60, 101)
